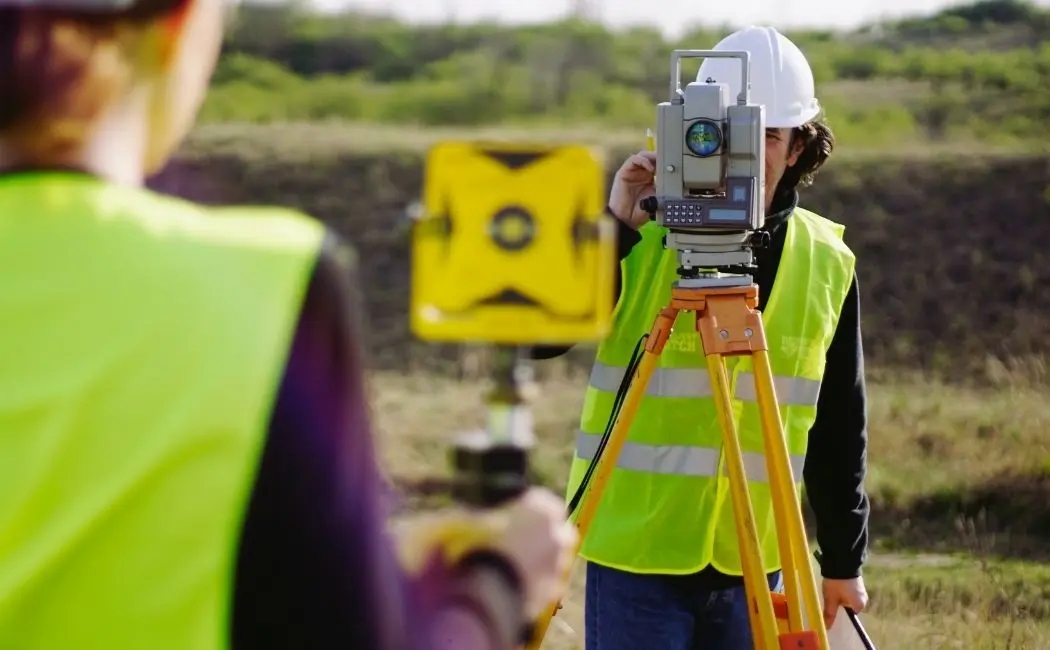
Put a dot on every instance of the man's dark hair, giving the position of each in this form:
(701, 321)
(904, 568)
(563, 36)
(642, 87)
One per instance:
(817, 144)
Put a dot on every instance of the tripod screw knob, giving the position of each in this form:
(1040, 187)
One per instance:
(649, 204)
(760, 239)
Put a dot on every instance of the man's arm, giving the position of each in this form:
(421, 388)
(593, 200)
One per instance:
(836, 459)
(626, 239)
(316, 566)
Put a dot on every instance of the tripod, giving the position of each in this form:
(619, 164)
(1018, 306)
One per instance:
(729, 324)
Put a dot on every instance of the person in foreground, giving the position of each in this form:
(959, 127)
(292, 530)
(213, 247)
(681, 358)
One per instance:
(186, 458)
(663, 564)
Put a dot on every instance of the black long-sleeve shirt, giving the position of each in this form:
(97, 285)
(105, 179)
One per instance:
(836, 458)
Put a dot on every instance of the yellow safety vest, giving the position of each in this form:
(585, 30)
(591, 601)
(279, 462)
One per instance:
(144, 339)
(666, 508)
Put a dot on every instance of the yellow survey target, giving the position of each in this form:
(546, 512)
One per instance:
(513, 246)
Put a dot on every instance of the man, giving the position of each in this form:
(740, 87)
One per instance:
(663, 561)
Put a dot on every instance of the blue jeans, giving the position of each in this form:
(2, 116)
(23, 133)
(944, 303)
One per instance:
(630, 611)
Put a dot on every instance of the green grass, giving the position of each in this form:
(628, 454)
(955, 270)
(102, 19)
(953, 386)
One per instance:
(958, 602)
(927, 440)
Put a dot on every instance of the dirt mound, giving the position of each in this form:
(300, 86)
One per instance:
(952, 253)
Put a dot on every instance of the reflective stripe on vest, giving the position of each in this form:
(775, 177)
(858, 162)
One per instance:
(144, 340)
(666, 508)
(679, 459)
(694, 382)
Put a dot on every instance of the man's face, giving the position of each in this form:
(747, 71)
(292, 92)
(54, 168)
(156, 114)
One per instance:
(781, 153)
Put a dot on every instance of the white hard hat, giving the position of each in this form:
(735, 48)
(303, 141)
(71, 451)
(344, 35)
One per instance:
(781, 78)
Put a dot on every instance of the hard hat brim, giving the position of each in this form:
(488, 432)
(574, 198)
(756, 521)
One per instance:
(794, 121)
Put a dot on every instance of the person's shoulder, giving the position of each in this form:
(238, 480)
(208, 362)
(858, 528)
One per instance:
(819, 223)
(265, 224)
(338, 254)
(813, 217)
(243, 225)
(826, 232)
(270, 227)
(334, 276)
(334, 280)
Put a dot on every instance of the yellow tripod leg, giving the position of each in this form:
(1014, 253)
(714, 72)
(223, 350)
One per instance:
(605, 464)
(763, 620)
(773, 437)
(787, 507)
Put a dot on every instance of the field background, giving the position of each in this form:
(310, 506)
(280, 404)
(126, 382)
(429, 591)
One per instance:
(941, 175)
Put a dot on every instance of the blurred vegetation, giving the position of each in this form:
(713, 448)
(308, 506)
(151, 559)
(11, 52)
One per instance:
(979, 73)
(952, 252)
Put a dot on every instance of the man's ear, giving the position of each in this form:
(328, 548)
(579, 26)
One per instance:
(797, 146)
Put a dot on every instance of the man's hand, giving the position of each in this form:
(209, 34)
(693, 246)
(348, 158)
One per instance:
(632, 183)
(843, 593)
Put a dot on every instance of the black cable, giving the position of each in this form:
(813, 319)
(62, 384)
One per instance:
(621, 395)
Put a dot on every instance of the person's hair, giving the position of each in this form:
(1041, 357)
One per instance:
(817, 144)
(60, 70)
